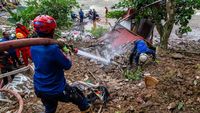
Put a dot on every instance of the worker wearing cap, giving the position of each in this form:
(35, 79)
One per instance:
(50, 62)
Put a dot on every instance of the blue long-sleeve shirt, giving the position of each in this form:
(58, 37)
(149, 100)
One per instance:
(81, 14)
(49, 64)
(141, 47)
(11, 51)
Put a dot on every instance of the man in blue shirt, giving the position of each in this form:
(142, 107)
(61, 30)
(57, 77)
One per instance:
(81, 15)
(49, 81)
(12, 51)
(7, 64)
(140, 48)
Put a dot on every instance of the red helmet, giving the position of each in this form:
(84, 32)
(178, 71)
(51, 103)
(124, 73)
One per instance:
(44, 24)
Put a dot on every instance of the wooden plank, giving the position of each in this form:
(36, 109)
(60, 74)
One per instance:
(15, 72)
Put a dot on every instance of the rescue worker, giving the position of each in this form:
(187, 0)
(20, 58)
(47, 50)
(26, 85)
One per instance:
(140, 52)
(24, 51)
(106, 13)
(49, 81)
(81, 15)
(22, 29)
(90, 14)
(12, 51)
(5, 65)
(94, 18)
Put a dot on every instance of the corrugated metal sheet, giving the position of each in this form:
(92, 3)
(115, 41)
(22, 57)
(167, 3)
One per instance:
(122, 36)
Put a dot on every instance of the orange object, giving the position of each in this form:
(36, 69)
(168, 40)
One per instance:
(22, 29)
(150, 81)
(20, 35)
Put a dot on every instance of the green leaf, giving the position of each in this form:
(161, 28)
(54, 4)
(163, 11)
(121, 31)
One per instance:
(180, 105)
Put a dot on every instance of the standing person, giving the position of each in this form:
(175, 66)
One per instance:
(5, 65)
(49, 81)
(12, 51)
(90, 14)
(81, 15)
(106, 12)
(23, 32)
(94, 15)
(24, 51)
(22, 29)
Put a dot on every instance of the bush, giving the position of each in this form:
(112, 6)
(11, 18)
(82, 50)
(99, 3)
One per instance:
(98, 32)
(58, 9)
(133, 75)
(115, 14)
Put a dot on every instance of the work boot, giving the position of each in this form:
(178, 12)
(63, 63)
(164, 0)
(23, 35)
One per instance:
(89, 110)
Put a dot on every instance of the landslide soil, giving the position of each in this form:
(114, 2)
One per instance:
(178, 90)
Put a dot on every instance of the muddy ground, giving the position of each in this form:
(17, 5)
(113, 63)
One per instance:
(178, 90)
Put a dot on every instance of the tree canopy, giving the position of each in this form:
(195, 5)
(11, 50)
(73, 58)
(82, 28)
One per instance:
(165, 14)
(59, 9)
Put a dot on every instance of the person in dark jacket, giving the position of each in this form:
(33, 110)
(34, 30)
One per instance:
(5, 65)
(81, 15)
(50, 62)
(94, 17)
(12, 51)
(140, 52)
(90, 13)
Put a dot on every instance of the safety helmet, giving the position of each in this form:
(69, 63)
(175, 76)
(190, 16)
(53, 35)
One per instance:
(20, 35)
(44, 24)
(12, 35)
(143, 57)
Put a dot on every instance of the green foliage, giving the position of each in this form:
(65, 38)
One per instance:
(179, 13)
(59, 9)
(23, 14)
(133, 75)
(1, 33)
(180, 105)
(98, 32)
(115, 14)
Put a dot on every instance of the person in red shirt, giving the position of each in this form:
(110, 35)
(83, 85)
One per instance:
(25, 51)
(22, 29)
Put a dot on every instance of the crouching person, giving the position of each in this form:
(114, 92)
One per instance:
(140, 52)
(49, 81)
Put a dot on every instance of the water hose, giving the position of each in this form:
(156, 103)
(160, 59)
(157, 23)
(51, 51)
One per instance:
(19, 98)
(26, 42)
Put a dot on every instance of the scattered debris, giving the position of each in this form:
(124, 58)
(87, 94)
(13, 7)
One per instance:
(177, 56)
(172, 106)
(150, 81)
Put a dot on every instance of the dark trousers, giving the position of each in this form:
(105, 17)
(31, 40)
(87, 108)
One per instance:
(15, 60)
(70, 94)
(81, 19)
(5, 70)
